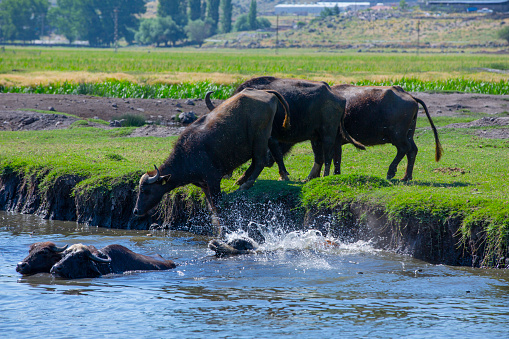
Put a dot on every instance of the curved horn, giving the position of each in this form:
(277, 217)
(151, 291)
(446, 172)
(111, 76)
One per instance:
(58, 249)
(156, 177)
(97, 259)
(208, 102)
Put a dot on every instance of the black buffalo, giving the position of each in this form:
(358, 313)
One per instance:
(81, 261)
(213, 146)
(242, 245)
(317, 115)
(379, 115)
(41, 257)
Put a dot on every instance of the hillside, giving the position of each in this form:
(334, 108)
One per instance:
(373, 31)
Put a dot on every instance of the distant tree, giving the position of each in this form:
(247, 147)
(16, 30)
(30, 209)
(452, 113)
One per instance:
(213, 13)
(252, 15)
(403, 4)
(242, 23)
(194, 9)
(199, 30)
(504, 33)
(66, 18)
(328, 11)
(226, 18)
(23, 19)
(159, 31)
(176, 9)
(94, 20)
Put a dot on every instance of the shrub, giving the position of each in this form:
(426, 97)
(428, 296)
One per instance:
(132, 120)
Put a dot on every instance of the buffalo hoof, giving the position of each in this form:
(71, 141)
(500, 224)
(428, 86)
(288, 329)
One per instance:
(247, 185)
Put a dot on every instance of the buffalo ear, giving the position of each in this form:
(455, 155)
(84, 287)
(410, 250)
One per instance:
(164, 179)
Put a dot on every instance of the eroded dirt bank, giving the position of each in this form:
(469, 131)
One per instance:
(431, 241)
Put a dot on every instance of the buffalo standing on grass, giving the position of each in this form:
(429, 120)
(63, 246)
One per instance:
(381, 115)
(41, 257)
(317, 115)
(81, 261)
(213, 146)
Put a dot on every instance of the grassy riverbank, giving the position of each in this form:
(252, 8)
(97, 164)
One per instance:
(469, 186)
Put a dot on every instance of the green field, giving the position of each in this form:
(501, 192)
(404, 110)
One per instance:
(31, 66)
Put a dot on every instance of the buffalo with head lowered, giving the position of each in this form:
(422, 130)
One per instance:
(213, 146)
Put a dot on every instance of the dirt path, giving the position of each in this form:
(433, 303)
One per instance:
(18, 111)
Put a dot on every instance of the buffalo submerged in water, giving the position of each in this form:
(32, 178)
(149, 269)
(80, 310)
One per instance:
(81, 261)
(41, 257)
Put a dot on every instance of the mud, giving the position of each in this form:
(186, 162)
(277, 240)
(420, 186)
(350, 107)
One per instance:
(19, 111)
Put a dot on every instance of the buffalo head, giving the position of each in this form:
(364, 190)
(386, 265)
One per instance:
(41, 257)
(152, 187)
(79, 262)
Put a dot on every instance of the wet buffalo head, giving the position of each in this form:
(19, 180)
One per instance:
(79, 262)
(152, 187)
(41, 257)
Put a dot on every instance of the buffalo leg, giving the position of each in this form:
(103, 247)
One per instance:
(258, 164)
(318, 153)
(337, 154)
(213, 195)
(328, 152)
(403, 148)
(277, 154)
(411, 155)
(244, 177)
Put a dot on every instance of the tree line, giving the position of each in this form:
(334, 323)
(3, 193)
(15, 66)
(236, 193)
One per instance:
(104, 22)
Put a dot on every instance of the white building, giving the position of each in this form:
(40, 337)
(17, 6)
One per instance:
(318, 7)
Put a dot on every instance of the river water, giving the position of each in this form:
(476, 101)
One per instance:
(297, 286)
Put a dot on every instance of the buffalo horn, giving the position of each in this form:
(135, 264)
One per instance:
(156, 177)
(58, 249)
(208, 102)
(97, 259)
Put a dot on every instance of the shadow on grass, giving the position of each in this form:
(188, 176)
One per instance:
(432, 183)
(269, 190)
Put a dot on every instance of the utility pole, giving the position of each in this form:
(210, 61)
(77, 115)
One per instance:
(115, 36)
(418, 35)
(277, 32)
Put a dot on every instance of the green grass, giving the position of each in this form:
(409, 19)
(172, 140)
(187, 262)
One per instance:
(471, 181)
(304, 63)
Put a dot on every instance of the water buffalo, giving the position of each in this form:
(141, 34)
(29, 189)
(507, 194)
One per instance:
(214, 145)
(243, 245)
(81, 261)
(380, 115)
(41, 257)
(317, 115)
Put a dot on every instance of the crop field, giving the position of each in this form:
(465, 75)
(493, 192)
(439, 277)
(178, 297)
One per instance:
(47, 66)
